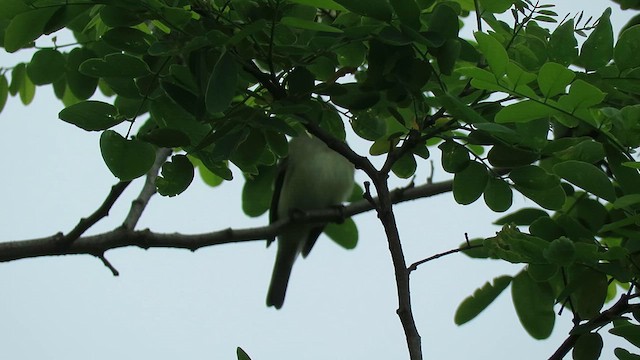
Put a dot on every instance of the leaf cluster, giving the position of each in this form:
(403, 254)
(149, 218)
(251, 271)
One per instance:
(519, 107)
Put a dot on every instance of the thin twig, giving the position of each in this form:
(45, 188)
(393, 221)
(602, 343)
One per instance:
(138, 205)
(85, 223)
(415, 265)
(106, 263)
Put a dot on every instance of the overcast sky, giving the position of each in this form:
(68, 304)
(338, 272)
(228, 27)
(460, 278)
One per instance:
(170, 304)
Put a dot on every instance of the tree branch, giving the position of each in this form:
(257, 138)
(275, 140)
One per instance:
(123, 237)
(621, 307)
(415, 265)
(138, 205)
(103, 211)
(404, 311)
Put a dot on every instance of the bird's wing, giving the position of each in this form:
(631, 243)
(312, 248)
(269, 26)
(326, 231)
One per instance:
(275, 199)
(314, 233)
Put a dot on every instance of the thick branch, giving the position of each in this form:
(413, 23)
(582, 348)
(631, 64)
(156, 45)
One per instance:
(123, 237)
(405, 313)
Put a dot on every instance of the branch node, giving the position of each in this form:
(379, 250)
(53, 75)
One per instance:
(367, 195)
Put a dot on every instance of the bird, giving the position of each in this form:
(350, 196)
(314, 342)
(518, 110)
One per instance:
(311, 177)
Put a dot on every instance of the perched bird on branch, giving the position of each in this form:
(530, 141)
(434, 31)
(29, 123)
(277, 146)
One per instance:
(312, 177)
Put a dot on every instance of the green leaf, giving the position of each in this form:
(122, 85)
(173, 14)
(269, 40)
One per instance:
(459, 109)
(405, 166)
(176, 177)
(115, 65)
(627, 201)
(322, 4)
(546, 228)
(18, 76)
(207, 176)
(308, 25)
(498, 195)
(508, 157)
(368, 126)
(512, 245)
(165, 137)
(354, 98)
(258, 191)
(46, 66)
(518, 76)
(344, 234)
(4, 91)
(469, 184)
(551, 199)
(127, 159)
(248, 153)
(587, 151)
(455, 157)
(588, 347)
(553, 79)
(447, 55)
(26, 27)
(475, 249)
(377, 9)
(582, 95)
(624, 354)
(175, 17)
(81, 85)
(444, 21)
(629, 331)
(533, 177)
(129, 39)
(114, 16)
(627, 48)
(597, 50)
(481, 78)
(524, 216)
(277, 143)
(524, 111)
(183, 97)
(533, 302)
(627, 178)
(542, 272)
(561, 252)
(10, 8)
(586, 176)
(563, 46)
(91, 115)
(590, 291)
(65, 16)
(21, 84)
(222, 84)
(300, 81)
(496, 6)
(481, 299)
(408, 12)
(494, 52)
(352, 55)
(241, 354)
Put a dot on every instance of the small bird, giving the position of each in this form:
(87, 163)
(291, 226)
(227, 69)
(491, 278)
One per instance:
(312, 177)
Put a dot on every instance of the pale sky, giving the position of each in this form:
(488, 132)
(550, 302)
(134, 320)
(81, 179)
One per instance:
(169, 304)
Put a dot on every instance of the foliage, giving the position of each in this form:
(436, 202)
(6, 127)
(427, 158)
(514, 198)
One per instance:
(520, 107)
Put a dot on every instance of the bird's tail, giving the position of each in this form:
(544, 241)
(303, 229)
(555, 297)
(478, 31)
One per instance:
(280, 277)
